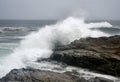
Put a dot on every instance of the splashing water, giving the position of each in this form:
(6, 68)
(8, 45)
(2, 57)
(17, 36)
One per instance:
(40, 44)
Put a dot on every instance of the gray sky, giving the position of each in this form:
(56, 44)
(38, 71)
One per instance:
(56, 9)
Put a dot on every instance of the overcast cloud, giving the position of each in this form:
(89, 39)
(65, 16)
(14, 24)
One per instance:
(56, 9)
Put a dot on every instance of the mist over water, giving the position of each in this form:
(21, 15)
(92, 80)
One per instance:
(39, 44)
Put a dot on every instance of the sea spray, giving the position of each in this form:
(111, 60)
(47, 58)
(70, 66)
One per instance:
(41, 43)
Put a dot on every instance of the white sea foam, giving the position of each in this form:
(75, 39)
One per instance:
(40, 44)
(100, 25)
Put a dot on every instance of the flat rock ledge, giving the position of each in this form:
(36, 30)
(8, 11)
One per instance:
(35, 75)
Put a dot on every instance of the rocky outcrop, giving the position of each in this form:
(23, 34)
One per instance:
(35, 75)
(97, 54)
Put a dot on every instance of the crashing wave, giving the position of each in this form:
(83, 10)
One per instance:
(41, 43)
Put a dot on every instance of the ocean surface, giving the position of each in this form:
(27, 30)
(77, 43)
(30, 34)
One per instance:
(23, 41)
(13, 31)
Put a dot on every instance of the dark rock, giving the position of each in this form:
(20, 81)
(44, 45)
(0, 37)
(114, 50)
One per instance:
(35, 75)
(97, 54)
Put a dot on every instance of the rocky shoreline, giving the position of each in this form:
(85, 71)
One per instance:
(97, 54)
(101, 55)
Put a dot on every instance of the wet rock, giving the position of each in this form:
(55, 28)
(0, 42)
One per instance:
(35, 75)
(97, 54)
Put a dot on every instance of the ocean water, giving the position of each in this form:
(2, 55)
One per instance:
(23, 42)
(13, 31)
